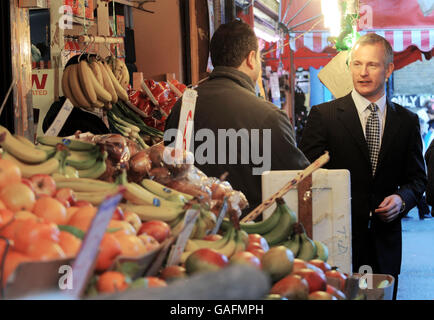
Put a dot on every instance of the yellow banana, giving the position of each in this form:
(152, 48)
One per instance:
(76, 90)
(229, 248)
(24, 140)
(139, 195)
(96, 171)
(94, 197)
(67, 92)
(27, 170)
(96, 71)
(240, 245)
(163, 191)
(84, 184)
(84, 75)
(21, 151)
(102, 94)
(107, 82)
(150, 212)
(73, 144)
(201, 228)
(121, 92)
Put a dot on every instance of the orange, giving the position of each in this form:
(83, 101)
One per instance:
(69, 243)
(155, 282)
(82, 218)
(9, 173)
(17, 196)
(43, 250)
(109, 249)
(30, 231)
(111, 281)
(2, 205)
(70, 212)
(6, 216)
(12, 261)
(24, 215)
(124, 226)
(131, 245)
(51, 210)
(3, 243)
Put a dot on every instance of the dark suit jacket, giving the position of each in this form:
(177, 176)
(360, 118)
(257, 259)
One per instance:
(228, 101)
(335, 126)
(429, 158)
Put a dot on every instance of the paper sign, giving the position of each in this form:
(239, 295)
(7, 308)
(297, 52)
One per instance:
(190, 218)
(60, 119)
(186, 120)
(222, 214)
(336, 75)
(85, 262)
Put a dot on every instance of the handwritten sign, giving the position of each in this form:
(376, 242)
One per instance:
(60, 119)
(186, 120)
(190, 218)
(83, 265)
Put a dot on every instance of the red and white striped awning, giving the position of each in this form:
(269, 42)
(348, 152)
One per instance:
(399, 39)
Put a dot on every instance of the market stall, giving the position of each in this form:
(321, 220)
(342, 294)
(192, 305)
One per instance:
(120, 211)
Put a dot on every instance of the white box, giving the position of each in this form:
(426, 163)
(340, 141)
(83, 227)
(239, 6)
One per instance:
(331, 209)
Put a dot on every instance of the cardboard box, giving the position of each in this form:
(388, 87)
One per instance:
(33, 4)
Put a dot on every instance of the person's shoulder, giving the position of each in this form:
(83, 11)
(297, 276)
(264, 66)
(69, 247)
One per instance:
(404, 112)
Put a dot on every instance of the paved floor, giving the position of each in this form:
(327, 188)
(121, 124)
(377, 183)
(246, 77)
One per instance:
(416, 281)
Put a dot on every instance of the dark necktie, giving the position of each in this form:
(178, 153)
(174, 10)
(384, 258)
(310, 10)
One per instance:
(373, 135)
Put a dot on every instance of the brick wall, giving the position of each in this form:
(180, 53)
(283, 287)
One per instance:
(416, 78)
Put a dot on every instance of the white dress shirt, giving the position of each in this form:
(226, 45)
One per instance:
(362, 109)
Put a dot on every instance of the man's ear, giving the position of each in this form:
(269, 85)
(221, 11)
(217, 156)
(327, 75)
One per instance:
(251, 60)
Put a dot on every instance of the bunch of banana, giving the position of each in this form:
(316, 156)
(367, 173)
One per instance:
(120, 70)
(276, 228)
(92, 84)
(91, 190)
(22, 149)
(303, 247)
(233, 241)
(86, 158)
(49, 166)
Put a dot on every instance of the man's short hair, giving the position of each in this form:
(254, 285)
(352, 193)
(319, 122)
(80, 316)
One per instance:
(373, 38)
(231, 44)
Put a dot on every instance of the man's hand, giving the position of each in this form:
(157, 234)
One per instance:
(388, 210)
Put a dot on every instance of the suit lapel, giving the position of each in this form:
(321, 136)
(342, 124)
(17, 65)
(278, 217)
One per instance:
(347, 113)
(391, 128)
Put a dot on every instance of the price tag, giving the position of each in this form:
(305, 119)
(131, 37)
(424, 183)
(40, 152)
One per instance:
(221, 216)
(84, 263)
(190, 218)
(60, 119)
(186, 120)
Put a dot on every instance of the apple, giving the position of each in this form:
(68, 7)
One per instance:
(118, 214)
(160, 230)
(149, 241)
(277, 262)
(43, 185)
(205, 260)
(133, 219)
(316, 279)
(245, 258)
(172, 273)
(336, 292)
(337, 276)
(258, 252)
(321, 295)
(83, 203)
(212, 237)
(257, 238)
(324, 266)
(274, 297)
(298, 265)
(66, 196)
(293, 287)
(28, 183)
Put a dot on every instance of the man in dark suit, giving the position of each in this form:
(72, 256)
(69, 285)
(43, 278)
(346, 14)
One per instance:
(379, 142)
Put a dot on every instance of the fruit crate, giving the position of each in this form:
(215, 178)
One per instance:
(329, 213)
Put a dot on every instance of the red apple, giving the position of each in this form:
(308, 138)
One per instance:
(205, 260)
(324, 266)
(337, 276)
(293, 287)
(258, 252)
(66, 196)
(172, 273)
(118, 214)
(28, 183)
(257, 238)
(245, 258)
(160, 230)
(298, 265)
(316, 279)
(43, 184)
(212, 237)
(335, 292)
(277, 262)
(321, 295)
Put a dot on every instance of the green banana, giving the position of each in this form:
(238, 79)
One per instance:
(322, 252)
(281, 231)
(201, 228)
(175, 221)
(264, 226)
(195, 244)
(82, 159)
(307, 247)
(229, 248)
(293, 244)
(209, 218)
(240, 244)
(72, 144)
(97, 170)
